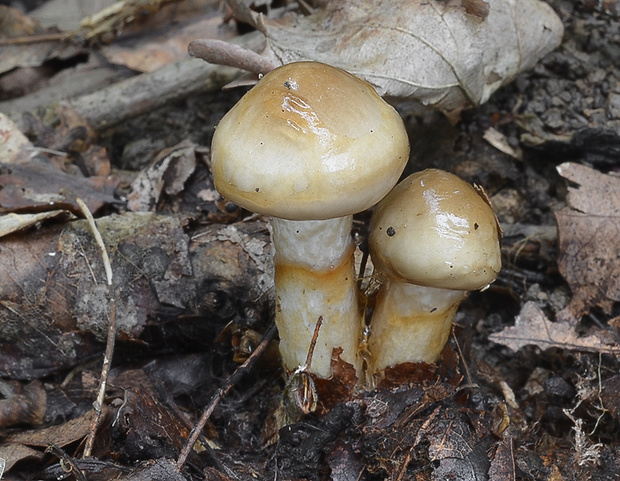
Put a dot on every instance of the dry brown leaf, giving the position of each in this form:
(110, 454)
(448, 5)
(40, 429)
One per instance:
(15, 24)
(39, 185)
(533, 328)
(61, 435)
(446, 54)
(167, 173)
(588, 230)
(14, 145)
(11, 453)
(155, 48)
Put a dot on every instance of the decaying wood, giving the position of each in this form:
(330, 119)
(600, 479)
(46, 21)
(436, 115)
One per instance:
(149, 91)
(143, 93)
(54, 307)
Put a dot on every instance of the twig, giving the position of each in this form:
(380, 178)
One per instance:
(315, 335)
(222, 391)
(209, 450)
(226, 53)
(66, 461)
(104, 253)
(27, 39)
(405, 463)
(109, 350)
(470, 382)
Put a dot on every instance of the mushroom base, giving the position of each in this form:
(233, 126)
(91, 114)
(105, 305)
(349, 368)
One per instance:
(410, 324)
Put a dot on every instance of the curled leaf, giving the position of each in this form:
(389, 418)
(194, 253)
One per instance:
(449, 55)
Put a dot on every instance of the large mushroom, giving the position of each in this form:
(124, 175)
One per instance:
(310, 145)
(432, 240)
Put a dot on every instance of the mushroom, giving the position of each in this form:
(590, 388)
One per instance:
(433, 239)
(310, 145)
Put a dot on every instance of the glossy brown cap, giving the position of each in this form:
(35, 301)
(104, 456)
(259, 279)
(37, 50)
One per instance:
(434, 230)
(309, 141)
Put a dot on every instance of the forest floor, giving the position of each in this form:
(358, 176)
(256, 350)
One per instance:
(528, 388)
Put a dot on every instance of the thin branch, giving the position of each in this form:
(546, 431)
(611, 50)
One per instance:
(222, 391)
(109, 350)
(315, 335)
(67, 462)
(225, 53)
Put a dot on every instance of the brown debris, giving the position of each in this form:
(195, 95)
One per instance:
(21, 404)
(588, 233)
(54, 308)
(532, 327)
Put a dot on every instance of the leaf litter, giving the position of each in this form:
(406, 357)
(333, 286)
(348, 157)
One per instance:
(428, 428)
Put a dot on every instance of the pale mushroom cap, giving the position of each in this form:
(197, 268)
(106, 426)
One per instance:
(434, 230)
(309, 141)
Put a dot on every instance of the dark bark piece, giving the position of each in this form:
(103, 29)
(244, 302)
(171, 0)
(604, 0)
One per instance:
(54, 304)
(142, 438)
(302, 446)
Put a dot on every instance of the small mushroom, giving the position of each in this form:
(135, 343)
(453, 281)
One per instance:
(310, 145)
(432, 240)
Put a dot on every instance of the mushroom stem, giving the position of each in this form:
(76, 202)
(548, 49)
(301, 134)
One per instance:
(314, 277)
(421, 315)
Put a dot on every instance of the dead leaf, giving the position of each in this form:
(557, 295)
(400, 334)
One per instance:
(445, 54)
(143, 438)
(533, 328)
(455, 448)
(15, 24)
(588, 230)
(40, 185)
(61, 435)
(155, 48)
(503, 463)
(167, 173)
(12, 453)
(11, 222)
(14, 145)
(23, 404)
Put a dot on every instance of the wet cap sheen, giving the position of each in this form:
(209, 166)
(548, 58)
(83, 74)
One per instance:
(434, 230)
(309, 141)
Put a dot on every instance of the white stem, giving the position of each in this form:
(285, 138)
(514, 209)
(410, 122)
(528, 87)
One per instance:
(315, 276)
(410, 324)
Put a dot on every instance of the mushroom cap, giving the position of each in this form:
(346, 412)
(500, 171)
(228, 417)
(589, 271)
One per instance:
(433, 229)
(309, 141)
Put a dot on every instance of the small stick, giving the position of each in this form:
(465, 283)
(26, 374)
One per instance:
(109, 350)
(46, 37)
(315, 335)
(66, 461)
(221, 392)
(223, 53)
